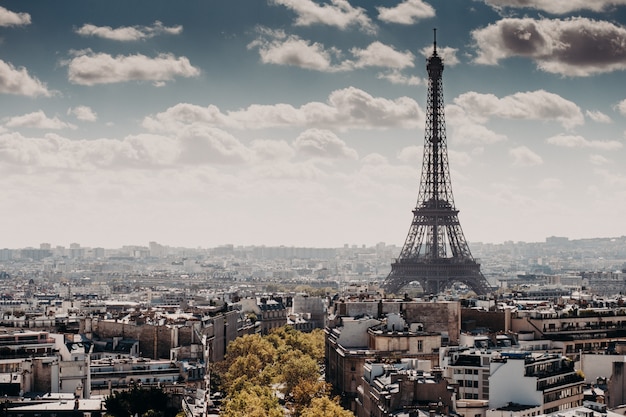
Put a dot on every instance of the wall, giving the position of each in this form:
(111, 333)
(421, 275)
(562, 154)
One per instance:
(493, 320)
(155, 342)
(617, 386)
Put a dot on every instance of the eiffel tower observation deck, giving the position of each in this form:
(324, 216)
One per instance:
(435, 252)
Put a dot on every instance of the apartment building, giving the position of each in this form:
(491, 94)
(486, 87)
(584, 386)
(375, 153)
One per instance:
(390, 389)
(547, 381)
(354, 341)
(40, 362)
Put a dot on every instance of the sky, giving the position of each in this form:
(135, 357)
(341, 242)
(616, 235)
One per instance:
(199, 123)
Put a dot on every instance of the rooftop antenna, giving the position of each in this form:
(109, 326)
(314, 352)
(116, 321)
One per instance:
(435, 41)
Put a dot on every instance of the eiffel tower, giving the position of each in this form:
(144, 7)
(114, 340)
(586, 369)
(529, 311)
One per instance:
(435, 252)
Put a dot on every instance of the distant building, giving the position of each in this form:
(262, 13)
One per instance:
(312, 309)
(271, 312)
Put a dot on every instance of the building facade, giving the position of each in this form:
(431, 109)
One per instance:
(548, 381)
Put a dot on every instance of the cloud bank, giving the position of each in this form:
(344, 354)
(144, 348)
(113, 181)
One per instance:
(576, 47)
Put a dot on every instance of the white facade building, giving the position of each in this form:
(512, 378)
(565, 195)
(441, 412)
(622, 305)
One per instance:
(548, 381)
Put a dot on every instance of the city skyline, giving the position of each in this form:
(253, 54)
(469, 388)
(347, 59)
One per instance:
(301, 122)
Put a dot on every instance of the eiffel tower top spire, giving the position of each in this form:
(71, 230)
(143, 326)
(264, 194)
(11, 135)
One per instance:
(435, 252)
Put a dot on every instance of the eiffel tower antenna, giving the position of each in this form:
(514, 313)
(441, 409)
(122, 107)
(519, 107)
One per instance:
(435, 252)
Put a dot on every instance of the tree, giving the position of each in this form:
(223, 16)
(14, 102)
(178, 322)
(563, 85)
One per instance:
(151, 402)
(247, 370)
(249, 359)
(298, 368)
(305, 391)
(253, 401)
(325, 407)
(311, 344)
(250, 344)
(255, 367)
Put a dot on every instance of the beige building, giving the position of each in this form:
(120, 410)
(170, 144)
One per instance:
(353, 341)
(401, 387)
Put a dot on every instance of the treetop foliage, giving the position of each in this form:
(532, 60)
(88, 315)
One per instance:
(287, 362)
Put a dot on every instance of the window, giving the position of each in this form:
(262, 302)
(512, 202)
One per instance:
(420, 345)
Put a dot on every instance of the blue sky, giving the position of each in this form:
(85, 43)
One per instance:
(300, 122)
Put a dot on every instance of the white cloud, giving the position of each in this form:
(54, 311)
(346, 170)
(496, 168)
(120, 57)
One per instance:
(396, 77)
(467, 128)
(576, 47)
(611, 178)
(201, 145)
(91, 68)
(377, 176)
(374, 159)
(558, 6)
(406, 13)
(447, 54)
(532, 105)
(524, 157)
(38, 120)
(598, 116)
(128, 33)
(84, 113)
(323, 143)
(9, 18)
(573, 141)
(53, 151)
(272, 150)
(598, 160)
(337, 13)
(190, 147)
(345, 108)
(475, 134)
(459, 159)
(621, 107)
(17, 81)
(378, 54)
(411, 154)
(276, 47)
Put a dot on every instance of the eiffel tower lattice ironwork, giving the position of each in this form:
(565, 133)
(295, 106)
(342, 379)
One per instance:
(435, 252)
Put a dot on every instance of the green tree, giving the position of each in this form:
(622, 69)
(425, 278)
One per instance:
(325, 407)
(297, 368)
(247, 369)
(256, 367)
(250, 344)
(305, 391)
(254, 401)
(311, 344)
